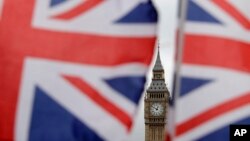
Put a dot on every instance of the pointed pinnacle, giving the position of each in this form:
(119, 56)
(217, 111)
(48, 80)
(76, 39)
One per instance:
(158, 65)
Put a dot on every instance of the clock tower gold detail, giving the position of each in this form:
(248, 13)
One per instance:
(156, 102)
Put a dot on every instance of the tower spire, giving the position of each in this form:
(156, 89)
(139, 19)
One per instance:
(158, 65)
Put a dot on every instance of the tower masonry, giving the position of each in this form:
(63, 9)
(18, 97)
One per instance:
(156, 103)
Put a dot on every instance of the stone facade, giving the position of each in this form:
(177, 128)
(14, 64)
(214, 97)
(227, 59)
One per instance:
(156, 102)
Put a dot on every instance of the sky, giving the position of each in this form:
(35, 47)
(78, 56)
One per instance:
(167, 10)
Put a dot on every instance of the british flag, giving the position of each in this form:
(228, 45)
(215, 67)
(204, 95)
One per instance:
(73, 70)
(215, 71)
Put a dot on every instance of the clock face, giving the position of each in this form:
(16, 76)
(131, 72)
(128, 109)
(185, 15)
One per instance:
(156, 109)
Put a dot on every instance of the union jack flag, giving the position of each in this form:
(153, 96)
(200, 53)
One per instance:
(214, 89)
(73, 70)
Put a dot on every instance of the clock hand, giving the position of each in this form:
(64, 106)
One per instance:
(155, 108)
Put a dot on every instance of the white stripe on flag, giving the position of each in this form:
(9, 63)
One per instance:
(216, 30)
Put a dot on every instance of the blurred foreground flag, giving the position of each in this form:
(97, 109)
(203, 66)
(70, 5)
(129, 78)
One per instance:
(72, 70)
(214, 89)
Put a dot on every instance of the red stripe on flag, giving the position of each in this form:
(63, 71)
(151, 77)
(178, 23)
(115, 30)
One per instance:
(78, 48)
(80, 9)
(215, 51)
(233, 12)
(212, 113)
(100, 100)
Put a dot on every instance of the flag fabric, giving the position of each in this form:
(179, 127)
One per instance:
(214, 89)
(73, 70)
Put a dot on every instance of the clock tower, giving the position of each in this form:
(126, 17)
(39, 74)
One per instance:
(156, 105)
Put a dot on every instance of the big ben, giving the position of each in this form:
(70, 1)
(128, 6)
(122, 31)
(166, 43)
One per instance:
(156, 104)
